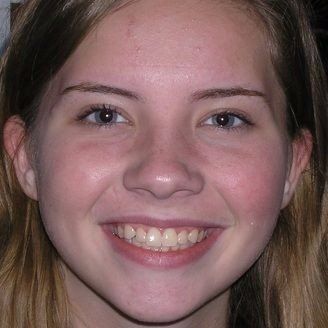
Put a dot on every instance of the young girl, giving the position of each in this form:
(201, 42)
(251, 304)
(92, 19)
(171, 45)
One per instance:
(163, 164)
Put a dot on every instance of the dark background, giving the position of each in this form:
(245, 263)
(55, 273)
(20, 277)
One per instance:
(320, 26)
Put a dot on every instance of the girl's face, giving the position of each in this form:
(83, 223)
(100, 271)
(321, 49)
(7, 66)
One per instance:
(163, 161)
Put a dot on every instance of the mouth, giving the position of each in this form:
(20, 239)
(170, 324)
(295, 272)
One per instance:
(158, 239)
(160, 247)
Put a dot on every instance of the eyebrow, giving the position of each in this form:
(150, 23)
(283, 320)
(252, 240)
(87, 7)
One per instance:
(101, 88)
(226, 93)
(196, 96)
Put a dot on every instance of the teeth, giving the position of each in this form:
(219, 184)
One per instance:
(169, 238)
(129, 232)
(136, 242)
(193, 236)
(120, 231)
(200, 236)
(183, 237)
(141, 235)
(155, 240)
(184, 246)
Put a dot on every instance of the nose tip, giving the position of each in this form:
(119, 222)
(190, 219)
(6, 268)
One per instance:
(163, 179)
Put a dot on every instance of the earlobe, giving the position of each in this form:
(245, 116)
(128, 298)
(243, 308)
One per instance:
(14, 134)
(301, 150)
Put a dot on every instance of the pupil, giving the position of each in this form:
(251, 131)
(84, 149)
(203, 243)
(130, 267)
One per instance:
(106, 116)
(222, 120)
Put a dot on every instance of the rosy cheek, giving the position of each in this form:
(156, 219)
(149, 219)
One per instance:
(252, 183)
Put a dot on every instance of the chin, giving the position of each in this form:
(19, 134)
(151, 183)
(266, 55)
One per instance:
(155, 314)
(166, 310)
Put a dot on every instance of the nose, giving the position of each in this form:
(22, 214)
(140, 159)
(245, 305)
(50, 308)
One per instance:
(163, 173)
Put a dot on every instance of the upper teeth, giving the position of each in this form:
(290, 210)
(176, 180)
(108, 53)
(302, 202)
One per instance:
(154, 238)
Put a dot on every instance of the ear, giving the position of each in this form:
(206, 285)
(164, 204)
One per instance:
(300, 154)
(14, 136)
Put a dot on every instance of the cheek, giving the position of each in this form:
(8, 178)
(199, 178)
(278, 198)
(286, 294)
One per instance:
(254, 177)
(251, 185)
(247, 184)
(72, 178)
(257, 202)
(258, 189)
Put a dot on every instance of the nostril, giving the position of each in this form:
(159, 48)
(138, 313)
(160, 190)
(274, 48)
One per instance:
(163, 193)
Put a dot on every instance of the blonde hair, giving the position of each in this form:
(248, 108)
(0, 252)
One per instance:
(287, 287)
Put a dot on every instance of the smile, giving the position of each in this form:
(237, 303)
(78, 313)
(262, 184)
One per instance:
(158, 244)
(159, 240)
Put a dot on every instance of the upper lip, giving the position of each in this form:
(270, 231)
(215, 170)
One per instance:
(167, 222)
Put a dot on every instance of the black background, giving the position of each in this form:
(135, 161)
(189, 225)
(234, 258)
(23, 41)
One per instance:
(320, 26)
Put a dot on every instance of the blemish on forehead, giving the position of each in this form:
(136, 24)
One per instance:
(131, 34)
(131, 27)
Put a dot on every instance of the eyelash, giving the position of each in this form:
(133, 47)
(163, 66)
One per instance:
(101, 108)
(245, 121)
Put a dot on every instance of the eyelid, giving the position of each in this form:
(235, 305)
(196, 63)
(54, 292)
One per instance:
(98, 108)
(233, 112)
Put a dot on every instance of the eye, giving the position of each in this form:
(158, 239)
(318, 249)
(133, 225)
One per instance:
(103, 115)
(226, 120)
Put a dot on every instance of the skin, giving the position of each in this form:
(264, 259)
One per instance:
(164, 159)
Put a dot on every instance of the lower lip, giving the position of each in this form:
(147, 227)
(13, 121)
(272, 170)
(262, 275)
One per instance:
(162, 260)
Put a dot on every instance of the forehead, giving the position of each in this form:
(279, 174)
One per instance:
(170, 32)
(193, 42)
